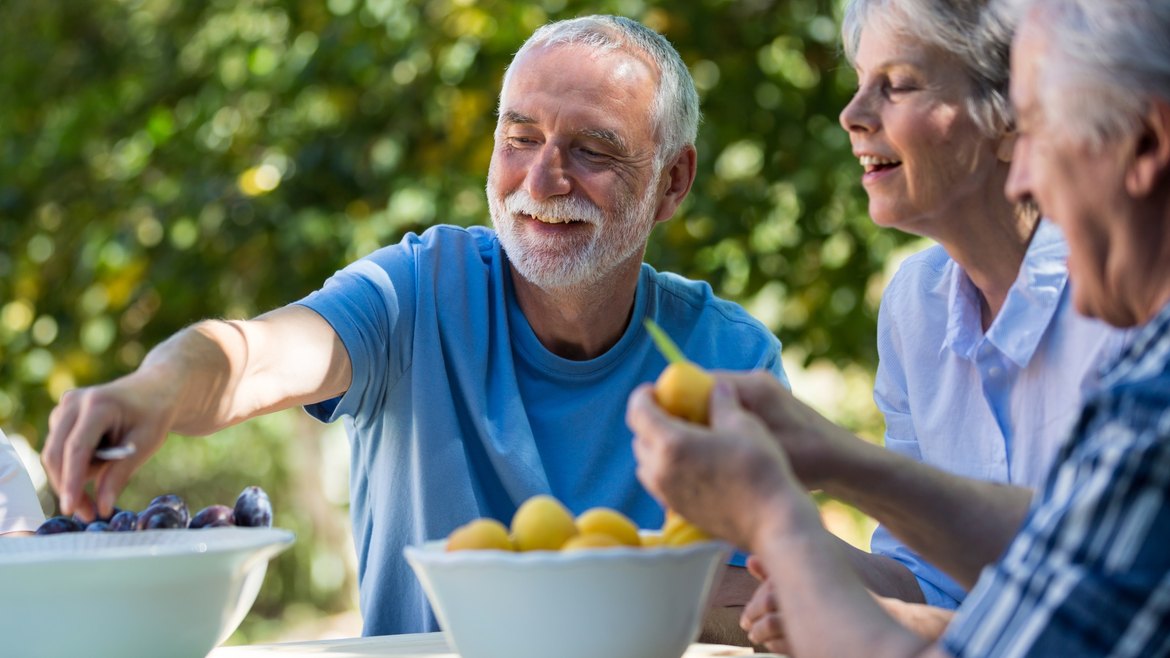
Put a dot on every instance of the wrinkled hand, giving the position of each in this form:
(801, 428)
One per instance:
(720, 478)
(761, 616)
(812, 444)
(126, 411)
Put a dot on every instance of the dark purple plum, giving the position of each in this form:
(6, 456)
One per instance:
(98, 526)
(160, 517)
(175, 503)
(59, 524)
(215, 516)
(253, 509)
(124, 521)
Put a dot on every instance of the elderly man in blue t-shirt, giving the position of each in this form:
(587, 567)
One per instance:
(473, 368)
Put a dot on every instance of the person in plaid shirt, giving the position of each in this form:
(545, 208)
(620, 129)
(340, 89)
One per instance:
(1080, 567)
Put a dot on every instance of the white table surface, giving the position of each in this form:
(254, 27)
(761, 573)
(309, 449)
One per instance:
(420, 645)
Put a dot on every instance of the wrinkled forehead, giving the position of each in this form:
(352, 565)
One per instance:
(616, 67)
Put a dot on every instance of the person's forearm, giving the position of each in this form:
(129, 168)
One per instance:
(218, 373)
(827, 611)
(883, 576)
(197, 370)
(958, 524)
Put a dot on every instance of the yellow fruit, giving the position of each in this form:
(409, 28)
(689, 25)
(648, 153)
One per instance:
(687, 534)
(677, 531)
(542, 524)
(480, 534)
(684, 390)
(602, 520)
(592, 540)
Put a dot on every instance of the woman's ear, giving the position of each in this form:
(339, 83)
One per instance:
(1007, 144)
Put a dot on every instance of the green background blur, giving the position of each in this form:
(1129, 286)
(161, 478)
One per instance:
(164, 161)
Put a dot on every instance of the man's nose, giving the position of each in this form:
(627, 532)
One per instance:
(547, 177)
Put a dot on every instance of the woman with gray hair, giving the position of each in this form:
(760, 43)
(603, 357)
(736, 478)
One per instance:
(983, 361)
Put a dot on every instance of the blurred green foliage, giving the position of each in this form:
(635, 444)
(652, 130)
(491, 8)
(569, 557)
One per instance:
(164, 161)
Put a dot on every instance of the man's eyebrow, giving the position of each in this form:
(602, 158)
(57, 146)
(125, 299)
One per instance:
(511, 116)
(608, 136)
(614, 140)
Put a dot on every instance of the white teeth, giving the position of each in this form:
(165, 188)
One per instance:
(874, 161)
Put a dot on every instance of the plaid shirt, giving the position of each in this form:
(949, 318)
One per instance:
(1089, 572)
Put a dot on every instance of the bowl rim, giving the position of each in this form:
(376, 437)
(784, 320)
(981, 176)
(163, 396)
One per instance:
(93, 546)
(434, 552)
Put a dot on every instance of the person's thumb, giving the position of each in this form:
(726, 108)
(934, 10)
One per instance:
(724, 404)
(755, 567)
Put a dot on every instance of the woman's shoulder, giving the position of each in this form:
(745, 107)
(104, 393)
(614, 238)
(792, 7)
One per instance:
(920, 275)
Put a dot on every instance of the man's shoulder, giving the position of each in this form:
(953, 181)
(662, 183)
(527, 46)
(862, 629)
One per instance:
(448, 237)
(709, 323)
(437, 247)
(684, 296)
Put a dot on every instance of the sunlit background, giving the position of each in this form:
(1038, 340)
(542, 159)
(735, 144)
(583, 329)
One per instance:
(164, 161)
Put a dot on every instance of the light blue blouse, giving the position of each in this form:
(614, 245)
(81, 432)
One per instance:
(994, 406)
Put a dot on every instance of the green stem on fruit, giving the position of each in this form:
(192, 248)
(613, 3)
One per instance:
(665, 345)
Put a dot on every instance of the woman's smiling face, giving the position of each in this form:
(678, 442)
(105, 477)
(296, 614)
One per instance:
(924, 156)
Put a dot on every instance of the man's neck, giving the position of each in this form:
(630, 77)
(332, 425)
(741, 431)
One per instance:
(580, 323)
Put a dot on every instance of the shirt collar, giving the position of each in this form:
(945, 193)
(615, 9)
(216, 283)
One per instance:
(1146, 356)
(1030, 305)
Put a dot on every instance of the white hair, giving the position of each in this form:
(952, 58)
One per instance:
(1105, 60)
(973, 31)
(675, 111)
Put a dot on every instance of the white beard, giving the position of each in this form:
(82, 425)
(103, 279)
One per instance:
(574, 261)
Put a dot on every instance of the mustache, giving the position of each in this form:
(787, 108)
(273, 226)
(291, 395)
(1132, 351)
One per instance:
(564, 208)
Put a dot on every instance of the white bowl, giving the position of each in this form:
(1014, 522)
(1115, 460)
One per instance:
(611, 603)
(174, 593)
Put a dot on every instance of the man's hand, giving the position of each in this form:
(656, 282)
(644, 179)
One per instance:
(764, 624)
(133, 410)
(721, 478)
(202, 379)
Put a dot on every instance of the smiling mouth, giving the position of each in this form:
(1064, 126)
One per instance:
(551, 220)
(873, 164)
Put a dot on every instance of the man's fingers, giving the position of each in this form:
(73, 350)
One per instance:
(110, 482)
(769, 631)
(761, 604)
(61, 421)
(76, 464)
(755, 567)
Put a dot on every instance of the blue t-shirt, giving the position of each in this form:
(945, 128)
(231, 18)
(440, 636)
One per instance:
(456, 410)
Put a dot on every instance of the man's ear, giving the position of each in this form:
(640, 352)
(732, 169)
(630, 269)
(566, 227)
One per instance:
(1150, 167)
(679, 176)
(1006, 145)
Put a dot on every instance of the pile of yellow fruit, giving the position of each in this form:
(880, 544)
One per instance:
(543, 524)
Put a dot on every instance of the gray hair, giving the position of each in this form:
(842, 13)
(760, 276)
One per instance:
(675, 111)
(1109, 59)
(974, 31)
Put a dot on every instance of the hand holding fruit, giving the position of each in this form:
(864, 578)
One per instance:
(722, 477)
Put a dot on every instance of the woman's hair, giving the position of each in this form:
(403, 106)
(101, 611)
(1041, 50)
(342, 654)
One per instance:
(975, 32)
(1105, 59)
(675, 111)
